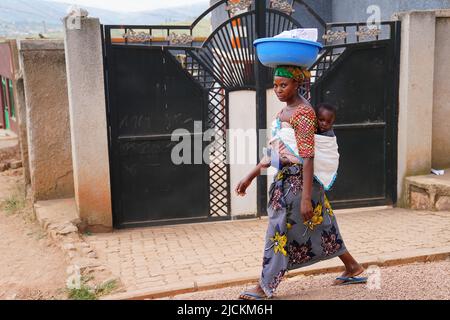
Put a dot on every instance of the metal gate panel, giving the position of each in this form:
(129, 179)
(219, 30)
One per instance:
(149, 97)
(361, 78)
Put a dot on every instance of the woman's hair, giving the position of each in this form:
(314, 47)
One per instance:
(326, 106)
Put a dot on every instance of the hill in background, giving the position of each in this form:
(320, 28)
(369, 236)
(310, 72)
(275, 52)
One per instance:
(28, 18)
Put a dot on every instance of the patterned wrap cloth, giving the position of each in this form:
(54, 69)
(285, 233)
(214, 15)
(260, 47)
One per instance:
(290, 242)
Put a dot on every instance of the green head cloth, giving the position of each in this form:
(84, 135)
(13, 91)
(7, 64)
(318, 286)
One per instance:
(292, 72)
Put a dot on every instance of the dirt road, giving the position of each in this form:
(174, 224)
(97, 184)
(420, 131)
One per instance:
(31, 267)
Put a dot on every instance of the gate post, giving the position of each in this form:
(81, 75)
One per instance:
(88, 126)
(415, 118)
(261, 106)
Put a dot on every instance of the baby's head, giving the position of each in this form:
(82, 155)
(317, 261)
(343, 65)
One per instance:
(326, 115)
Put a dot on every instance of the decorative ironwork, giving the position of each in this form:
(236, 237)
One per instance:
(238, 6)
(331, 35)
(357, 32)
(194, 68)
(217, 120)
(229, 53)
(179, 39)
(133, 36)
(283, 6)
(324, 62)
(366, 32)
(218, 169)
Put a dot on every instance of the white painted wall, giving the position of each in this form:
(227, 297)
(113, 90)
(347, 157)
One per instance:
(441, 104)
(242, 116)
(273, 107)
(242, 108)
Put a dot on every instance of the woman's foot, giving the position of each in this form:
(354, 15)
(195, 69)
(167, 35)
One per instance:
(351, 271)
(255, 293)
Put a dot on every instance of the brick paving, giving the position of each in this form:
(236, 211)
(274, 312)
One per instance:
(158, 258)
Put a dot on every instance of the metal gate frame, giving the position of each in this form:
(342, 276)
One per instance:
(332, 52)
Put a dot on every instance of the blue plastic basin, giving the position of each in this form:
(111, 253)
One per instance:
(273, 52)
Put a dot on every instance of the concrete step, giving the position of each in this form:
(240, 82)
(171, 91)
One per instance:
(59, 212)
(429, 192)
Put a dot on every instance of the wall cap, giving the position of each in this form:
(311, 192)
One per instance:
(40, 45)
(438, 13)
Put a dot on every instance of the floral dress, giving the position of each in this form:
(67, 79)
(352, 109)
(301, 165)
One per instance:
(291, 243)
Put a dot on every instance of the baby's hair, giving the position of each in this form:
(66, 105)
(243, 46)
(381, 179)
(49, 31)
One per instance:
(326, 106)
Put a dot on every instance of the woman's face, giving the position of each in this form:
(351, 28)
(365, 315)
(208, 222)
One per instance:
(285, 88)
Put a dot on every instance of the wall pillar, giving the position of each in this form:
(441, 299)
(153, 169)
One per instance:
(441, 107)
(88, 126)
(415, 96)
(242, 149)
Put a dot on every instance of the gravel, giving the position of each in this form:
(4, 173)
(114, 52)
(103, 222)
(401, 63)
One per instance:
(418, 281)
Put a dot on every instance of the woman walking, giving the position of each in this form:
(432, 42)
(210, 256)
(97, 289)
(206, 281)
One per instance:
(302, 228)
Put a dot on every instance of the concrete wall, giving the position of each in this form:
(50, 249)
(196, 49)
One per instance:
(273, 107)
(356, 10)
(47, 118)
(242, 116)
(441, 104)
(424, 95)
(242, 109)
(88, 125)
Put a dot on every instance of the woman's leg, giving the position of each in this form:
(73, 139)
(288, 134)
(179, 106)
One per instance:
(275, 259)
(352, 267)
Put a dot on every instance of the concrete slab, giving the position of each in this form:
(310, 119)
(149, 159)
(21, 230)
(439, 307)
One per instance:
(428, 192)
(432, 181)
(58, 211)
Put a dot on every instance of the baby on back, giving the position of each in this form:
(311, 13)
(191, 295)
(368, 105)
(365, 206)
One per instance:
(283, 149)
(326, 116)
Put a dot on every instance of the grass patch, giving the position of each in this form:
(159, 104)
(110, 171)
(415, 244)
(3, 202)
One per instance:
(18, 203)
(86, 292)
(106, 288)
(82, 293)
(14, 203)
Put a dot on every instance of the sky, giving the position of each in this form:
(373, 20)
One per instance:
(130, 5)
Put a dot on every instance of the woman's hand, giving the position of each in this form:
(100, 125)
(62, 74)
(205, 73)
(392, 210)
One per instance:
(242, 186)
(306, 209)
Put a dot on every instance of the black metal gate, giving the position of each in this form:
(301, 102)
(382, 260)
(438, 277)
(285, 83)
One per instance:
(359, 75)
(160, 78)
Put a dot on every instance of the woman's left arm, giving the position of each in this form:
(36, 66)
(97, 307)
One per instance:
(304, 124)
(305, 205)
